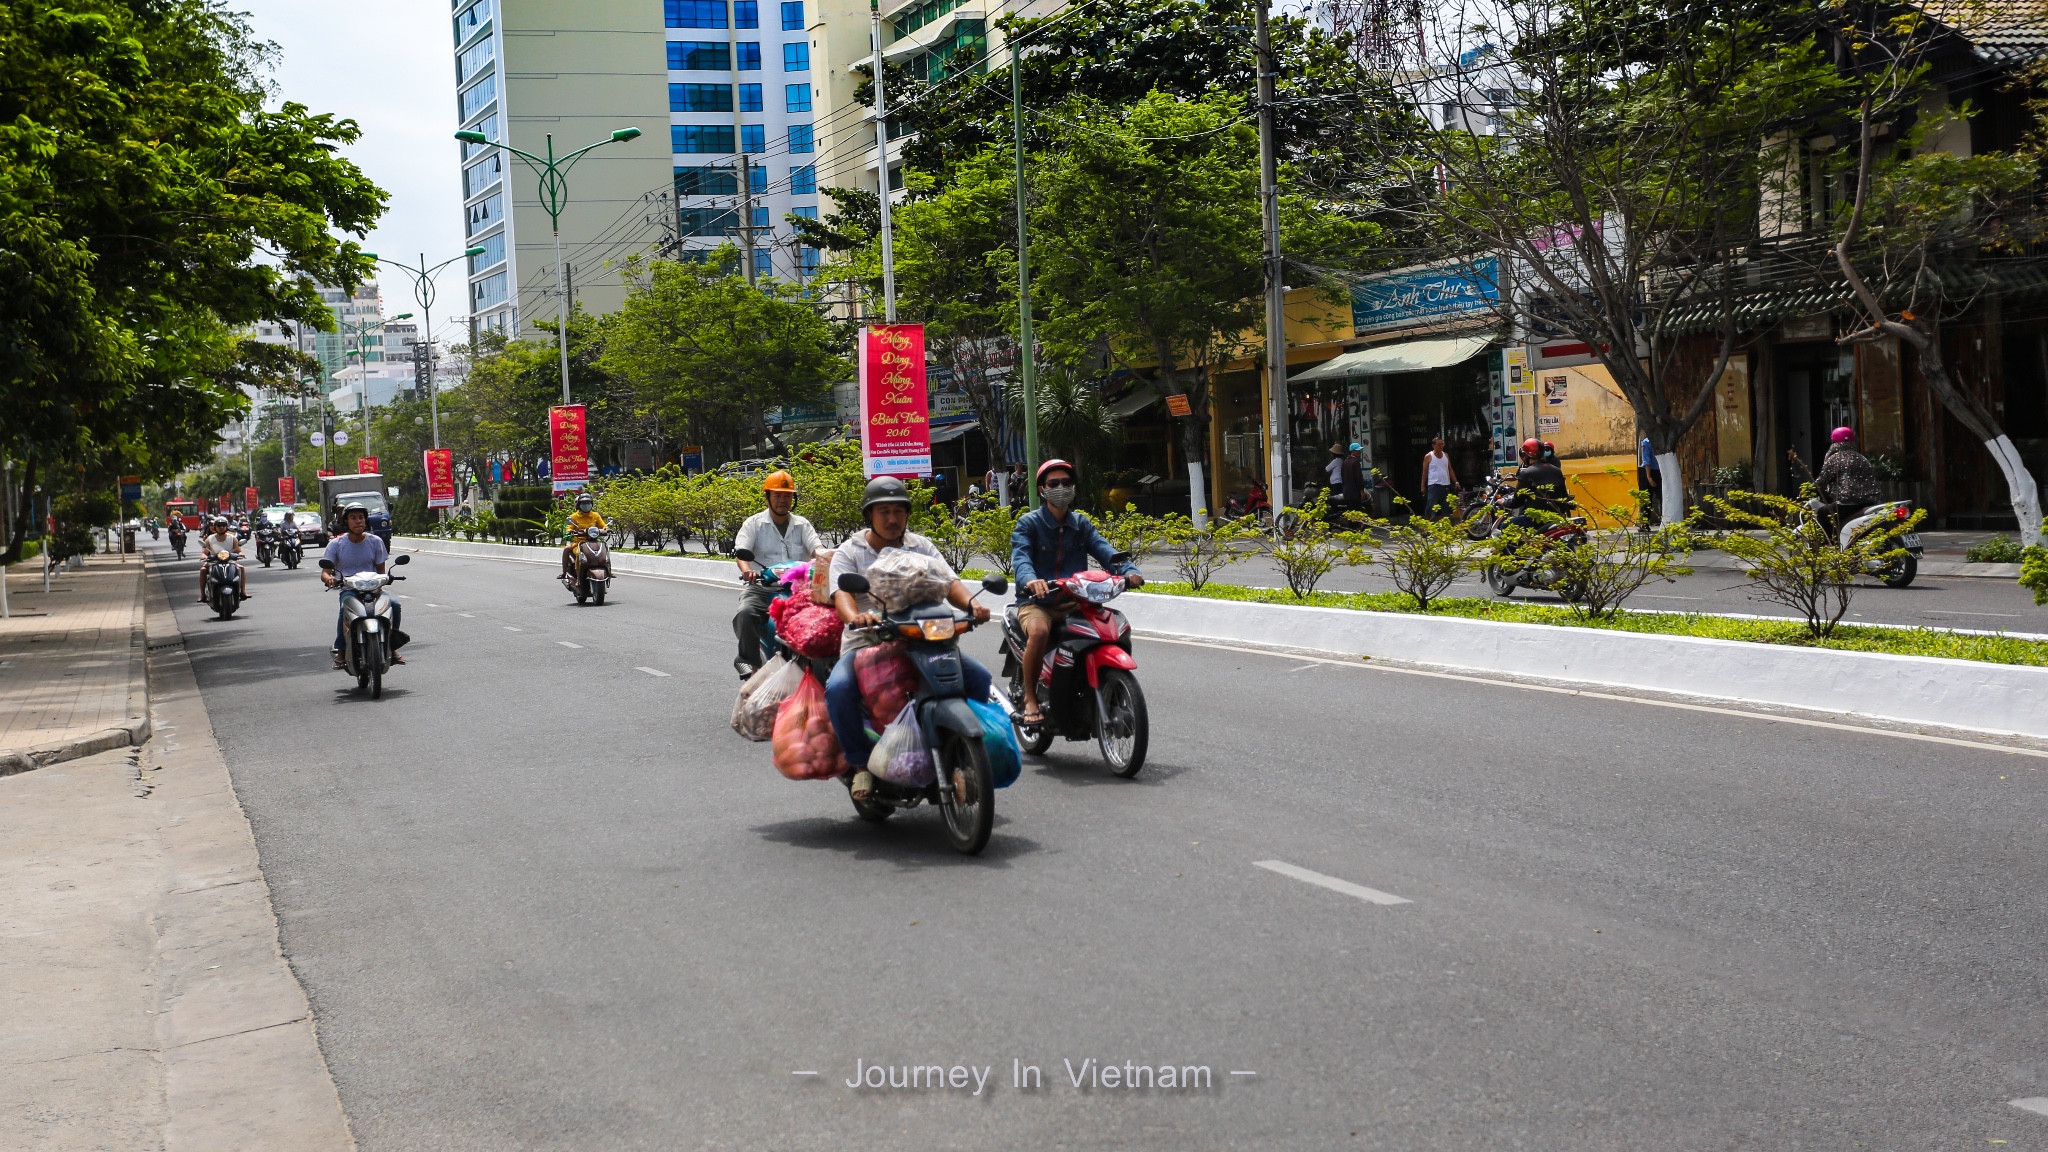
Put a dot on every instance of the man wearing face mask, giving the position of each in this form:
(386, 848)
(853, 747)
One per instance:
(1050, 543)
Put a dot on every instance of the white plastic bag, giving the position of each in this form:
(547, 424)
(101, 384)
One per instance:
(753, 714)
(900, 579)
(900, 756)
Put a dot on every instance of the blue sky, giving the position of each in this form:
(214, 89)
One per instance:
(389, 65)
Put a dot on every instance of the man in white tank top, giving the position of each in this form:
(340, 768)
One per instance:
(1438, 479)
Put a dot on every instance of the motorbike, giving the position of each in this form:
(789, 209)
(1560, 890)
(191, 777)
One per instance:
(223, 584)
(178, 542)
(1898, 571)
(266, 544)
(1491, 507)
(1539, 572)
(964, 787)
(154, 532)
(289, 549)
(770, 577)
(1088, 683)
(368, 640)
(593, 576)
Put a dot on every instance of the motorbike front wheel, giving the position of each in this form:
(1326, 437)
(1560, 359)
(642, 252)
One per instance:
(224, 605)
(966, 793)
(597, 593)
(1121, 726)
(1500, 580)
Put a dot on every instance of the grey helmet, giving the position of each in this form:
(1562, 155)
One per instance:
(883, 490)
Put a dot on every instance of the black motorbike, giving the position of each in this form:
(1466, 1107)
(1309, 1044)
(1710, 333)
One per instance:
(178, 541)
(266, 543)
(223, 585)
(289, 549)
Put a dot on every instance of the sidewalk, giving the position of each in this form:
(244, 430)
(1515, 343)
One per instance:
(144, 1001)
(71, 663)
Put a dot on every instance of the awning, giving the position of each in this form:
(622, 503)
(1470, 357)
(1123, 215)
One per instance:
(943, 433)
(1408, 356)
(1141, 398)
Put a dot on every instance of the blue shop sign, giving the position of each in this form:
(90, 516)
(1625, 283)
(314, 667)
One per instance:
(1400, 299)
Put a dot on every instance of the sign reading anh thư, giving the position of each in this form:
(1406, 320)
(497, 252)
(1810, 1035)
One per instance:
(895, 420)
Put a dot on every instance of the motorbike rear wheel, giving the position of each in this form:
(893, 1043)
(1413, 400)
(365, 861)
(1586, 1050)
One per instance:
(1500, 581)
(1122, 728)
(967, 796)
(1902, 573)
(871, 811)
(1032, 740)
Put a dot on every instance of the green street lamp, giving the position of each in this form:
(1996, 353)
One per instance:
(361, 352)
(423, 291)
(554, 196)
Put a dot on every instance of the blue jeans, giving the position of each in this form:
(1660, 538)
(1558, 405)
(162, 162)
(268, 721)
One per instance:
(842, 703)
(1437, 500)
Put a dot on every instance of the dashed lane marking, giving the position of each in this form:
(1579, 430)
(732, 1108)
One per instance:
(566, 644)
(509, 628)
(652, 672)
(2035, 1104)
(467, 615)
(1369, 895)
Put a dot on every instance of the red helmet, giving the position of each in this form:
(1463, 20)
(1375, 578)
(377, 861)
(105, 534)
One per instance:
(1531, 449)
(1050, 465)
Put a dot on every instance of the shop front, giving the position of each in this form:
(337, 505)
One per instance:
(1393, 400)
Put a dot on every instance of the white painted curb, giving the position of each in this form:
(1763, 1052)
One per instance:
(1968, 694)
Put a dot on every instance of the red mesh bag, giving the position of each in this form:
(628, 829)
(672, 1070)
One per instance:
(811, 629)
(887, 680)
(805, 747)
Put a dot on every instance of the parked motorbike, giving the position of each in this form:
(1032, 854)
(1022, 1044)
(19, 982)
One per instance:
(1088, 683)
(223, 584)
(1896, 572)
(289, 549)
(593, 575)
(367, 638)
(1541, 571)
(1490, 507)
(266, 543)
(964, 788)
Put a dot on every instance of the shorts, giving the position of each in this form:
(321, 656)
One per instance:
(1027, 612)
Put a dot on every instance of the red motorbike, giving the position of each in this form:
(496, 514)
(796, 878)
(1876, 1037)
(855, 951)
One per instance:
(1088, 684)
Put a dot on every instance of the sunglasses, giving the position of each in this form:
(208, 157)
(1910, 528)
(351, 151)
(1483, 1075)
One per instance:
(1060, 486)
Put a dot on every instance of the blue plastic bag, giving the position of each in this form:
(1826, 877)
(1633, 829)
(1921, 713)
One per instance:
(1005, 762)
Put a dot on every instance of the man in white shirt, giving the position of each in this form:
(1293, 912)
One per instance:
(220, 538)
(775, 535)
(1438, 479)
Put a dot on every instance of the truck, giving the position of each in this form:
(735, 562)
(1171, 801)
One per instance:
(365, 488)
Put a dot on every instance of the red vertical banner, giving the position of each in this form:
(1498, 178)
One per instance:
(440, 470)
(287, 490)
(252, 499)
(568, 448)
(366, 464)
(895, 418)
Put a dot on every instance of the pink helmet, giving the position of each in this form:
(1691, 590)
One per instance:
(1842, 435)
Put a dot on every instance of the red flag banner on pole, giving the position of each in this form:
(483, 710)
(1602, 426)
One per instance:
(252, 499)
(895, 419)
(287, 490)
(568, 449)
(366, 464)
(440, 470)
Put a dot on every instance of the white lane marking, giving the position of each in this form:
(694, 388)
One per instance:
(509, 628)
(1244, 1073)
(1303, 668)
(467, 615)
(566, 644)
(652, 671)
(1370, 895)
(1361, 665)
(433, 605)
(2035, 1104)
(803, 1073)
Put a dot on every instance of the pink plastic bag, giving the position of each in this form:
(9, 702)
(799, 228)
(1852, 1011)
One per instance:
(810, 629)
(805, 748)
(887, 680)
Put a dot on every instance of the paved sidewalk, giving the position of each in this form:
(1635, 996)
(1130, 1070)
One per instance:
(71, 663)
(144, 1001)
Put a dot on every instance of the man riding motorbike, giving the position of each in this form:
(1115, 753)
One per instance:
(1050, 543)
(885, 505)
(585, 516)
(177, 529)
(1539, 484)
(220, 539)
(1847, 481)
(357, 551)
(775, 535)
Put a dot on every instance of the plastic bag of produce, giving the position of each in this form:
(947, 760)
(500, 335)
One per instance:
(805, 748)
(886, 678)
(821, 576)
(753, 715)
(900, 756)
(900, 579)
(811, 629)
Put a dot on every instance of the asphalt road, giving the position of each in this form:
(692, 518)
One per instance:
(543, 898)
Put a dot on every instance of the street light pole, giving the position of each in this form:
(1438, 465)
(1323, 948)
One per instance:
(554, 197)
(1276, 286)
(882, 169)
(423, 292)
(1027, 372)
(362, 355)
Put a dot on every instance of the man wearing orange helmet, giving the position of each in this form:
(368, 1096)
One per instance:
(775, 535)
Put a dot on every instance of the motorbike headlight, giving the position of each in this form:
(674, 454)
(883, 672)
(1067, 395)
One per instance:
(937, 629)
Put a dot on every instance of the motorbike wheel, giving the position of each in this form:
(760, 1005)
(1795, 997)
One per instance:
(967, 795)
(376, 683)
(1902, 573)
(1121, 726)
(871, 811)
(1498, 579)
(1032, 741)
(597, 593)
(223, 605)
(1481, 526)
(582, 594)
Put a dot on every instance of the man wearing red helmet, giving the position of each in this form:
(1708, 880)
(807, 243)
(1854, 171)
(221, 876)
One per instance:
(1539, 483)
(1051, 542)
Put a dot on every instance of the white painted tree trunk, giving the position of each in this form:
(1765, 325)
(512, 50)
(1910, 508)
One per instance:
(1198, 496)
(2026, 498)
(1673, 509)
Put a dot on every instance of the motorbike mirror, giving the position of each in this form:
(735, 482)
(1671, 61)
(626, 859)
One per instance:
(326, 565)
(853, 582)
(397, 560)
(996, 583)
(744, 555)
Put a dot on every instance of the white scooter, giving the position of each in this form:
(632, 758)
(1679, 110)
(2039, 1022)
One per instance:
(367, 637)
(1898, 571)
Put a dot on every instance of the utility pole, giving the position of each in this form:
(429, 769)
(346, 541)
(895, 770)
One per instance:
(747, 214)
(882, 168)
(1276, 285)
(1027, 374)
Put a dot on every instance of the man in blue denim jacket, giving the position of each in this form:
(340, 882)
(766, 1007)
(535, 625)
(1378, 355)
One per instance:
(1050, 543)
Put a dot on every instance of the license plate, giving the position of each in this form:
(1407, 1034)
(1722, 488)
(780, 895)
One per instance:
(1910, 540)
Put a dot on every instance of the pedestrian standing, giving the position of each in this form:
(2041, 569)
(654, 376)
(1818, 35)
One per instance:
(1351, 476)
(1651, 480)
(1438, 479)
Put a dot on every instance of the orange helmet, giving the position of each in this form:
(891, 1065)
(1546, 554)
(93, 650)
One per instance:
(779, 482)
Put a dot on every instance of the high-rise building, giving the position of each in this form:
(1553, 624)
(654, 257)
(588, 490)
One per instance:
(526, 69)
